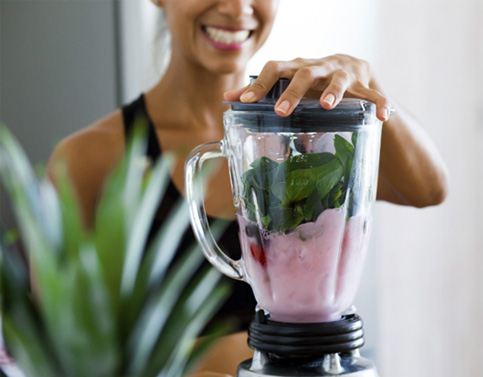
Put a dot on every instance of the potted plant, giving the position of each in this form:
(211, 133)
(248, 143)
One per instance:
(101, 302)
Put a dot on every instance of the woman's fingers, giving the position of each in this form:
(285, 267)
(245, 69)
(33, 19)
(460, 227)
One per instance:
(383, 108)
(334, 76)
(332, 95)
(259, 88)
(271, 72)
(234, 95)
(303, 80)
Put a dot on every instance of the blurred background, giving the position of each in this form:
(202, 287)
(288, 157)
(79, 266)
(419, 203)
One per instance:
(64, 64)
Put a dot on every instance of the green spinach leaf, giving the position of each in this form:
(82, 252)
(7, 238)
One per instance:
(281, 196)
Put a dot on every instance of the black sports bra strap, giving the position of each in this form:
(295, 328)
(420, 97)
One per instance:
(137, 110)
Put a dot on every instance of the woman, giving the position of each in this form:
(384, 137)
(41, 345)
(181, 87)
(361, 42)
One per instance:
(212, 40)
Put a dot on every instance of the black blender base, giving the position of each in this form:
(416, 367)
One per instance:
(329, 365)
(306, 349)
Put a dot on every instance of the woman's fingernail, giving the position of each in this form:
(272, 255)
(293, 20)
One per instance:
(329, 99)
(284, 107)
(248, 97)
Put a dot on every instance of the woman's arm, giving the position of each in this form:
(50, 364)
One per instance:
(411, 170)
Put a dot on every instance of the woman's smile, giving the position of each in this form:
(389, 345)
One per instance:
(226, 38)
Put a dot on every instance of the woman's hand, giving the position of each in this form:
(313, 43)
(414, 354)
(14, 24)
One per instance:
(330, 79)
(411, 171)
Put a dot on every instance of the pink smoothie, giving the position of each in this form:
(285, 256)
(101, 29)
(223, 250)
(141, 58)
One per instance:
(310, 274)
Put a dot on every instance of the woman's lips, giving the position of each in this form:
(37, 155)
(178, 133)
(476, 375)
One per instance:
(225, 38)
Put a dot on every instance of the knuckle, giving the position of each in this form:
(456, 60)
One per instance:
(287, 73)
(333, 58)
(372, 93)
(342, 75)
(272, 65)
(363, 69)
(299, 60)
(332, 67)
(359, 84)
(341, 57)
(380, 98)
(326, 65)
(377, 94)
(306, 73)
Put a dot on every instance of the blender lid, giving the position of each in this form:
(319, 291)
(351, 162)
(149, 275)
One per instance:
(351, 113)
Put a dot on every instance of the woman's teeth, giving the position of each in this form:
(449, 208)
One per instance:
(227, 37)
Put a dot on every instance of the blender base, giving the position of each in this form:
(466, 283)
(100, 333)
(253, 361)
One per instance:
(306, 349)
(351, 365)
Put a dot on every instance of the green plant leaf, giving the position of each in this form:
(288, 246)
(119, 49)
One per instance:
(179, 359)
(195, 307)
(110, 233)
(313, 206)
(165, 293)
(135, 165)
(153, 319)
(354, 139)
(136, 243)
(25, 342)
(327, 176)
(282, 196)
(73, 230)
(21, 321)
(285, 219)
(96, 344)
(345, 154)
(167, 240)
(204, 343)
(77, 323)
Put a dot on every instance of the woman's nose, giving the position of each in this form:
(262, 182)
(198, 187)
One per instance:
(235, 8)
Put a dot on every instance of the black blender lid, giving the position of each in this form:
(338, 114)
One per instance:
(351, 113)
(347, 107)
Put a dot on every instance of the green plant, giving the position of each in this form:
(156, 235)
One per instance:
(104, 303)
(287, 194)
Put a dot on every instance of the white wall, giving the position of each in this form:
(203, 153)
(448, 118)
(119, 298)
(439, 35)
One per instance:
(138, 46)
(430, 262)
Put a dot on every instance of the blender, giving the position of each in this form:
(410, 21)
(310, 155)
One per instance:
(303, 187)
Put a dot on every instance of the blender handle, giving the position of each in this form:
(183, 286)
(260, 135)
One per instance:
(199, 219)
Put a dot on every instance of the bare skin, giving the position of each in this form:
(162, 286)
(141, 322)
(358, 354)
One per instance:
(186, 108)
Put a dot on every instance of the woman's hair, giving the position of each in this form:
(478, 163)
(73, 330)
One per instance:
(162, 42)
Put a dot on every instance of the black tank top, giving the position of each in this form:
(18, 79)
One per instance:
(240, 305)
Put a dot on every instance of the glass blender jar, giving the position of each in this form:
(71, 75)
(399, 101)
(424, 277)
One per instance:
(303, 187)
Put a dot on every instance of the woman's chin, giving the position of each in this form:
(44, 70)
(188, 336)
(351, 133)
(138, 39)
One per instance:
(225, 62)
(226, 65)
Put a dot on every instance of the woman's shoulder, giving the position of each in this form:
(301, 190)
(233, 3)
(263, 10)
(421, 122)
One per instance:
(101, 142)
(89, 156)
